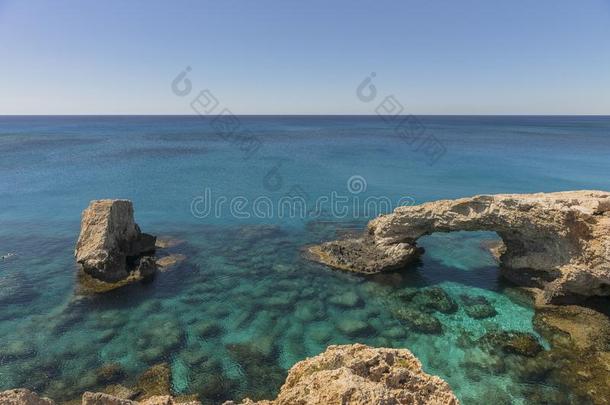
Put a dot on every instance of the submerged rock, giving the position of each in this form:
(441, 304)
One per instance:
(167, 242)
(167, 262)
(163, 336)
(355, 327)
(419, 321)
(580, 350)
(360, 375)
(512, 342)
(556, 240)
(347, 299)
(15, 289)
(110, 373)
(207, 329)
(478, 307)
(14, 350)
(111, 246)
(480, 311)
(256, 362)
(406, 294)
(435, 299)
(156, 381)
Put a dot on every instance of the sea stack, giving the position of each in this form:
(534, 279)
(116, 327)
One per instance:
(559, 242)
(111, 246)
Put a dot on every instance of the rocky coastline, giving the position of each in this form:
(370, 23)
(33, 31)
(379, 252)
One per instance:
(348, 374)
(559, 242)
(535, 230)
(555, 246)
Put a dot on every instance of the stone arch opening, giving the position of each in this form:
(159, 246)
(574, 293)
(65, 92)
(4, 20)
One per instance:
(565, 237)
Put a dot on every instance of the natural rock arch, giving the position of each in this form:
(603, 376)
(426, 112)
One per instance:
(564, 236)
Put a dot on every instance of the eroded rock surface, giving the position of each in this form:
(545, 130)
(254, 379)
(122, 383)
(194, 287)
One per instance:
(98, 398)
(111, 246)
(557, 241)
(580, 349)
(360, 375)
(23, 396)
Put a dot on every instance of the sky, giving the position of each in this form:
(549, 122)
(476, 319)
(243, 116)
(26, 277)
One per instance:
(306, 57)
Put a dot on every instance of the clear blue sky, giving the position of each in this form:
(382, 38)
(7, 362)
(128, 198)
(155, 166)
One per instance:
(306, 57)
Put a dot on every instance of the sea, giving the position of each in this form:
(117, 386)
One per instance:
(239, 201)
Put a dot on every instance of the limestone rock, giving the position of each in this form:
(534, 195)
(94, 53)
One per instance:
(580, 349)
(360, 375)
(23, 396)
(166, 262)
(156, 381)
(559, 241)
(111, 245)
(98, 398)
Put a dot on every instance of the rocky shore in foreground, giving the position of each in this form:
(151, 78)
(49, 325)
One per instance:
(348, 374)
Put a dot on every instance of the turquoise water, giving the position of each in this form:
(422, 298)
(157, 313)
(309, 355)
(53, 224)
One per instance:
(245, 305)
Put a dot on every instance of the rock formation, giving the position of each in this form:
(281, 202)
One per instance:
(111, 246)
(360, 375)
(556, 241)
(98, 398)
(349, 374)
(26, 397)
(23, 396)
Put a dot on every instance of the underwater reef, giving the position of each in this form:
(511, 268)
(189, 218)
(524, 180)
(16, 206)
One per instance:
(347, 374)
(556, 241)
(238, 312)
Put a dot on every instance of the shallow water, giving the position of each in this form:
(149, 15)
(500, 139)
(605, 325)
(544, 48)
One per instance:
(245, 305)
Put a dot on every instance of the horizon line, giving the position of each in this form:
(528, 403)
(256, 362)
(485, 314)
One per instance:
(305, 115)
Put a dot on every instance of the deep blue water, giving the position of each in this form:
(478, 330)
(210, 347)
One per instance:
(245, 305)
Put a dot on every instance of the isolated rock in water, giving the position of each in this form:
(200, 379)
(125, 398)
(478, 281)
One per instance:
(362, 255)
(166, 262)
(558, 241)
(23, 396)
(111, 245)
(360, 375)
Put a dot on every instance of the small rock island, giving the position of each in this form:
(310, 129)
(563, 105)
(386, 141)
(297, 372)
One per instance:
(559, 242)
(111, 247)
